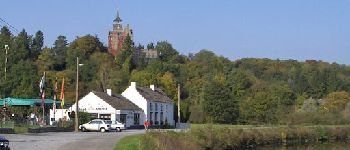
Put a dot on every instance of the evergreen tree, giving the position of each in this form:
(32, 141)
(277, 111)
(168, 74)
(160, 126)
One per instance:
(37, 44)
(60, 52)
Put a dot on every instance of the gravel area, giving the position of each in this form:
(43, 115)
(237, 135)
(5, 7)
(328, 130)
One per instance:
(68, 140)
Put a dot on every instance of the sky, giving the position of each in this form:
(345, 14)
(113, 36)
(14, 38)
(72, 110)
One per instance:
(235, 29)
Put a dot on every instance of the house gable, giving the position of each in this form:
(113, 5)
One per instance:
(91, 103)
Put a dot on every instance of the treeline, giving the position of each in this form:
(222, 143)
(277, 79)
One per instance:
(213, 88)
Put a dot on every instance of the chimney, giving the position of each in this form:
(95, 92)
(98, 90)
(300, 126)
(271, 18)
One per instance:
(109, 92)
(152, 87)
(133, 85)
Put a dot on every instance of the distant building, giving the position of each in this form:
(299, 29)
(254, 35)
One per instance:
(146, 55)
(117, 36)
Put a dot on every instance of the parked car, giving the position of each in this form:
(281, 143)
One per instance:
(96, 125)
(4, 143)
(116, 125)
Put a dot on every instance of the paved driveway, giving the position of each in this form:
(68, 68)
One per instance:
(68, 140)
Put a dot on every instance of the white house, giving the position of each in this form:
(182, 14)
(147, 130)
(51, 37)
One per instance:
(157, 107)
(111, 107)
(59, 114)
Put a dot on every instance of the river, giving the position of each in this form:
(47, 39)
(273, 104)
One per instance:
(314, 146)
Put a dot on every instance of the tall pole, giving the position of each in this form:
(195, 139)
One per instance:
(43, 99)
(178, 104)
(76, 98)
(54, 100)
(6, 49)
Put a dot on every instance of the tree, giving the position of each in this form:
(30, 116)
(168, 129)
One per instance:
(83, 47)
(126, 53)
(23, 79)
(60, 52)
(45, 60)
(140, 46)
(99, 71)
(336, 101)
(150, 46)
(166, 51)
(37, 44)
(218, 103)
(259, 106)
(5, 39)
(143, 77)
(241, 83)
(21, 50)
(168, 83)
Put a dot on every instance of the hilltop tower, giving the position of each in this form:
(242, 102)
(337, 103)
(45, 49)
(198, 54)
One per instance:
(117, 35)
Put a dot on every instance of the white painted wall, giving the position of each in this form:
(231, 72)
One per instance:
(93, 104)
(134, 96)
(60, 113)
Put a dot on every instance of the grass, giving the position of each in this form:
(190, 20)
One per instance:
(6, 124)
(129, 143)
(20, 129)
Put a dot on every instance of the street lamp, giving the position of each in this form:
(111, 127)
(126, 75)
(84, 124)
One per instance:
(76, 97)
(6, 49)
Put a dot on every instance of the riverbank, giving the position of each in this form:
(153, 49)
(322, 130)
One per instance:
(242, 137)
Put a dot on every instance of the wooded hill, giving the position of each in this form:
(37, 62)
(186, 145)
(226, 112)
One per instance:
(213, 88)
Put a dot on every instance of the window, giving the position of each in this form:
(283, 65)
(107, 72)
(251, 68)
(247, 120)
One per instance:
(123, 118)
(105, 116)
(94, 115)
(156, 122)
(156, 106)
(136, 118)
(161, 118)
(161, 107)
(150, 117)
(94, 122)
(150, 107)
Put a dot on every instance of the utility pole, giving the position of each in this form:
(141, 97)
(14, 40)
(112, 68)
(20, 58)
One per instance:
(6, 49)
(76, 98)
(178, 104)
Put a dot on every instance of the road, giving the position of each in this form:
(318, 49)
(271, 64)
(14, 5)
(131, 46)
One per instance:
(68, 140)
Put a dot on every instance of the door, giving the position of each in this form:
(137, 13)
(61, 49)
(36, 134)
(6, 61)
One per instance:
(90, 125)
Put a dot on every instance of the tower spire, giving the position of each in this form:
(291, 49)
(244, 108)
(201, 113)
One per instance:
(117, 19)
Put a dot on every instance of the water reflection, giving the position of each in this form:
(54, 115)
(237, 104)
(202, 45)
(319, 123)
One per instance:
(314, 146)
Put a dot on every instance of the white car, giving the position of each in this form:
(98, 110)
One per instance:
(96, 125)
(116, 125)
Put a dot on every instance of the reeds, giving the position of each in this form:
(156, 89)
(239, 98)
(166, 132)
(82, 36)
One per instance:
(226, 137)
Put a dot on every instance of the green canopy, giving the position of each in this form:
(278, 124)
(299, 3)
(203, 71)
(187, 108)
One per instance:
(27, 102)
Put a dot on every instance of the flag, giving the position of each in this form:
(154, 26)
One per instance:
(54, 96)
(42, 84)
(43, 99)
(41, 88)
(62, 94)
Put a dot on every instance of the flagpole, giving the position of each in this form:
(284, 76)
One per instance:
(62, 98)
(43, 99)
(54, 100)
